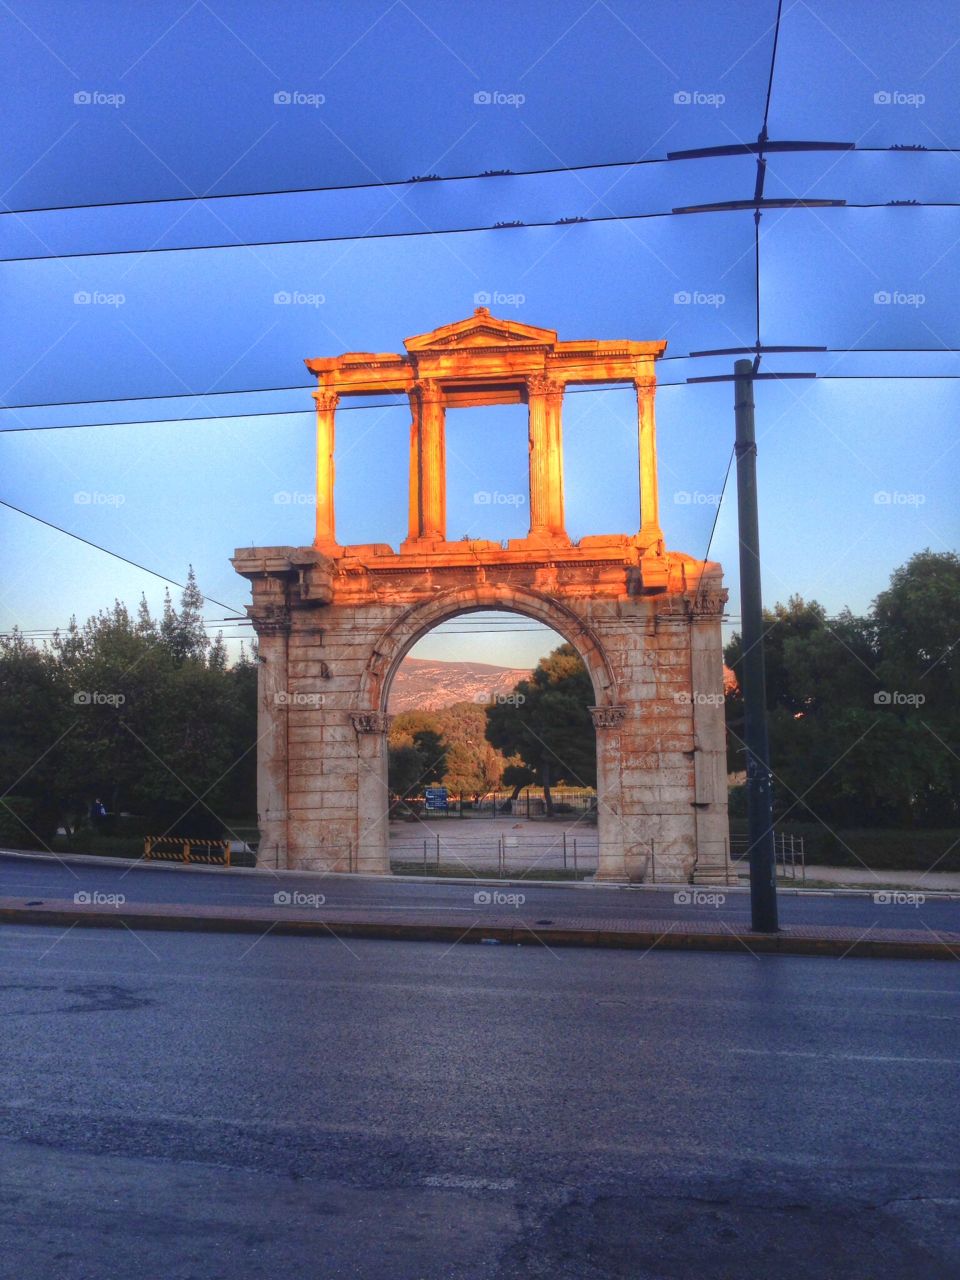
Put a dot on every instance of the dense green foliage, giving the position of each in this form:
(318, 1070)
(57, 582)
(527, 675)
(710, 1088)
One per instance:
(864, 713)
(448, 746)
(143, 715)
(546, 723)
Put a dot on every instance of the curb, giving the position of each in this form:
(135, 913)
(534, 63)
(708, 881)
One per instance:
(794, 940)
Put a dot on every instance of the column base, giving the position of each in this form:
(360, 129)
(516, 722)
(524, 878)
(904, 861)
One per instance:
(540, 538)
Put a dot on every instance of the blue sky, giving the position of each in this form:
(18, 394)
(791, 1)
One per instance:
(225, 99)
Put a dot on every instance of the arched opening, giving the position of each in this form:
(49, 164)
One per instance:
(487, 770)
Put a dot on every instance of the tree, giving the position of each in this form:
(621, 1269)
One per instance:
(546, 721)
(863, 712)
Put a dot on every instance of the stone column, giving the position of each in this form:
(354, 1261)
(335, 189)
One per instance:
(326, 535)
(709, 736)
(544, 405)
(647, 426)
(273, 629)
(428, 506)
(611, 846)
(373, 799)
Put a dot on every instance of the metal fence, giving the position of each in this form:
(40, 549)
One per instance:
(788, 855)
(500, 853)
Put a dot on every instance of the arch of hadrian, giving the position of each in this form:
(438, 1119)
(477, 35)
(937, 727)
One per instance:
(334, 622)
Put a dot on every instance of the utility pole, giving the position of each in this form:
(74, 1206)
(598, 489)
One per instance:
(763, 872)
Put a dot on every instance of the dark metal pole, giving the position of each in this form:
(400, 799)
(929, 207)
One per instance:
(763, 871)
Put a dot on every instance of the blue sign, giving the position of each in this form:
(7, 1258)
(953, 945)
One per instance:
(435, 797)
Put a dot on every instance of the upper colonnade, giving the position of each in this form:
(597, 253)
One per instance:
(484, 360)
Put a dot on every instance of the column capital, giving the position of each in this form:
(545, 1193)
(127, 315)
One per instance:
(370, 721)
(271, 620)
(429, 390)
(326, 399)
(608, 717)
(709, 602)
(544, 384)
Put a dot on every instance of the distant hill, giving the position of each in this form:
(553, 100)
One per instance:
(421, 685)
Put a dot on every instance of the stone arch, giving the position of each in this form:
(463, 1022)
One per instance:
(414, 623)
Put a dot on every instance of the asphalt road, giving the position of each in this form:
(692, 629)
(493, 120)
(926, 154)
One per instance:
(201, 1105)
(39, 878)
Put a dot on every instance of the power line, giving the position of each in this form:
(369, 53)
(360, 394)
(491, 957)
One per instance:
(107, 552)
(288, 413)
(308, 387)
(686, 211)
(670, 158)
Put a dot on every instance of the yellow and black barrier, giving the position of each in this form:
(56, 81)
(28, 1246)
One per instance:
(179, 849)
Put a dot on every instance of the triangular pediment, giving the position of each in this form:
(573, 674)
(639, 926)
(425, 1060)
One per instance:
(482, 330)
